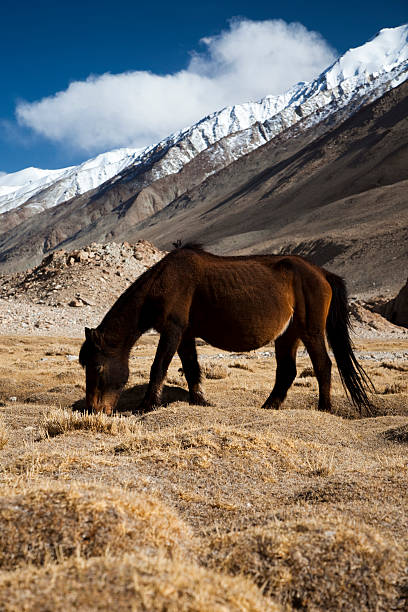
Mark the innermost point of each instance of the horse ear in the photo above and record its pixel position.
(97, 339)
(94, 336)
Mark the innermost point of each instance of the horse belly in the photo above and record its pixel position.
(241, 325)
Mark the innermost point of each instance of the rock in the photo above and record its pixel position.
(396, 310)
(67, 280)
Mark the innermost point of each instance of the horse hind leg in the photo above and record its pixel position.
(316, 347)
(285, 352)
(188, 354)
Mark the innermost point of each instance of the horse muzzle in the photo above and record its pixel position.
(105, 404)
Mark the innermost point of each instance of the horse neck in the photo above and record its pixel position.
(121, 325)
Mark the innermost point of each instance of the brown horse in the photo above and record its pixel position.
(235, 304)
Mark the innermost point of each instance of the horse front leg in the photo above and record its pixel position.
(188, 354)
(168, 345)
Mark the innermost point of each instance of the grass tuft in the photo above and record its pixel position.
(240, 365)
(4, 435)
(60, 421)
(306, 372)
(54, 523)
(397, 434)
(214, 371)
(393, 389)
(314, 565)
(133, 582)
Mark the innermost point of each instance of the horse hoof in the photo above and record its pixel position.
(273, 405)
(325, 408)
(199, 400)
(202, 403)
(144, 407)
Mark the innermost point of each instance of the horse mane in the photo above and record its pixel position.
(191, 246)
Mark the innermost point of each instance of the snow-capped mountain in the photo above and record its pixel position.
(41, 189)
(358, 77)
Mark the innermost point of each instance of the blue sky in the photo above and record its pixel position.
(165, 77)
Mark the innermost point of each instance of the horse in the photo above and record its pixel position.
(234, 303)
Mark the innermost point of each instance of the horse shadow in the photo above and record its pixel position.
(131, 399)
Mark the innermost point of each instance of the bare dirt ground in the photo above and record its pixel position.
(185, 508)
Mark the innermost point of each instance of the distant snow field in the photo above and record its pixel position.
(20, 187)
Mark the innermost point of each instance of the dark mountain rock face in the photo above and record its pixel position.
(396, 310)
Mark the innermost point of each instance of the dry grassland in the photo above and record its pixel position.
(202, 509)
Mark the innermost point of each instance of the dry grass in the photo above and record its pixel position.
(214, 371)
(59, 421)
(4, 436)
(314, 564)
(134, 582)
(220, 508)
(52, 523)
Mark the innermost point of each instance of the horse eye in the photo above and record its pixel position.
(99, 369)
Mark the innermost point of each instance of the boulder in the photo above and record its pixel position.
(396, 310)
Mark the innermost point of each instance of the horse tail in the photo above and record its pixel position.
(355, 380)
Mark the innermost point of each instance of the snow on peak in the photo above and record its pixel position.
(47, 188)
(385, 51)
(359, 76)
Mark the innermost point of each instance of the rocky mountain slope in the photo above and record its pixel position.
(197, 156)
(69, 290)
(93, 276)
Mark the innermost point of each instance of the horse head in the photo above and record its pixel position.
(106, 372)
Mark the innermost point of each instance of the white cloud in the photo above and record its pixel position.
(246, 62)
